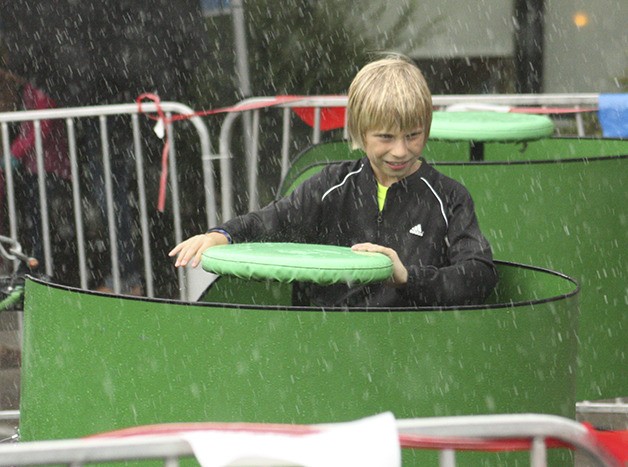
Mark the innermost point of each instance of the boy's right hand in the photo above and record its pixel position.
(193, 248)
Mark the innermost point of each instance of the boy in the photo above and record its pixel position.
(390, 201)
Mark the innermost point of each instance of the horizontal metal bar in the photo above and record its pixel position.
(602, 407)
(9, 415)
(94, 111)
(566, 100)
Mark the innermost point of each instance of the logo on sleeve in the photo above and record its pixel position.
(417, 230)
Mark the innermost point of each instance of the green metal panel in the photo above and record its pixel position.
(569, 216)
(230, 289)
(95, 362)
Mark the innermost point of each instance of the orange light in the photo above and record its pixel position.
(580, 19)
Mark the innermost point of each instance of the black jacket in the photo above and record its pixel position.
(428, 219)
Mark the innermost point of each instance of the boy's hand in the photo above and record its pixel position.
(400, 273)
(193, 248)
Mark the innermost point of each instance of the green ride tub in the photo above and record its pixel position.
(95, 362)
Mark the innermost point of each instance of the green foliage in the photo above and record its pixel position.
(305, 46)
(316, 47)
(301, 47)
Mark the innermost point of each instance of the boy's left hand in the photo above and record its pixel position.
(400, 273)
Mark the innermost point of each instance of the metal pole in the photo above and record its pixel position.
(244, 80)
(529, 18)
(76, 200)
(110, 208)
(242, 54)
(43, 198)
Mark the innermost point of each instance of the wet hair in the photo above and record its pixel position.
(389, 94)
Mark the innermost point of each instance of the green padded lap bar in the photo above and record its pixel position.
(287, 262)
(490, 126)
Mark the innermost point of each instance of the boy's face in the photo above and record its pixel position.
(394, 154)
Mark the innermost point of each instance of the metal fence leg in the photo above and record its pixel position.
(538, 453)
(447, 458)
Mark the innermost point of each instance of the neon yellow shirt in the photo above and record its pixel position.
(381, 195)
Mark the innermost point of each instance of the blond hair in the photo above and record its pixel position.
(389, 94)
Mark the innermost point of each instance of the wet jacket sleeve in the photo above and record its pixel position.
(470, 276)
(289, 219)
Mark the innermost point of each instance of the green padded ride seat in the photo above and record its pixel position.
(288, 262)
(490, 126)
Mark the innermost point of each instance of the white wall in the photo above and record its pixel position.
(590, 58)
(456, 28)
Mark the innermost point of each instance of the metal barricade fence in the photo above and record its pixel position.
(252, 131)
(71, 116)
(534, 433)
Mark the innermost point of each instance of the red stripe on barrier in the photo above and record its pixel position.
(473, 444)
(178, 428)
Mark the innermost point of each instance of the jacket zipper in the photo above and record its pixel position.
(380, 219)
